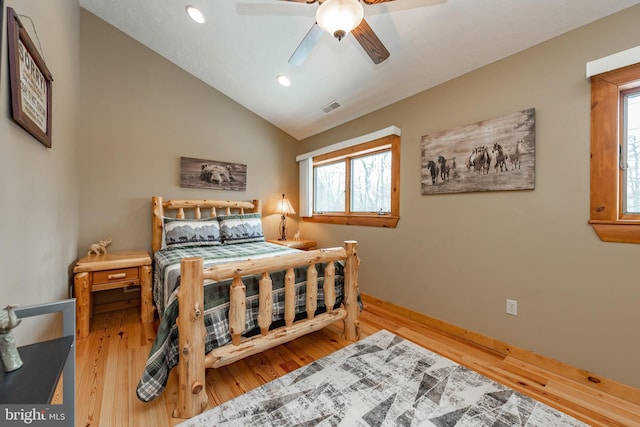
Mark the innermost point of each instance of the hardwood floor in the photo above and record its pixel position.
(110, 361)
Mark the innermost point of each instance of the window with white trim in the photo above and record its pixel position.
(353, 183)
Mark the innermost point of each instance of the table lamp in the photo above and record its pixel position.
(284, 208)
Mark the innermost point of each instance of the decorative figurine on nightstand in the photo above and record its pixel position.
(8, 350)
(100, 247)
(296, 236)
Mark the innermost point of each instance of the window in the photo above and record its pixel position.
(630, 159)
(615, 154)
(355, 184)
(329, 187)
(371, 183)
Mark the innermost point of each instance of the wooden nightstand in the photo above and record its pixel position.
(104, 272)
(305, 245)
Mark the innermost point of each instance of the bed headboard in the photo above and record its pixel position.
(198, 209)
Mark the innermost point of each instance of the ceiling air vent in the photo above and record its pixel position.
(331, 106)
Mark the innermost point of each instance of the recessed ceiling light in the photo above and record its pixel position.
(284, 80)
(195, 14)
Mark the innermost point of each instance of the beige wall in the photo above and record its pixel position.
(458, 257)
(140, 114)
(38, 186)
(453, 257)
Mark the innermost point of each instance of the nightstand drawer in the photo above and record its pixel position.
(115, 285)
(120, 275)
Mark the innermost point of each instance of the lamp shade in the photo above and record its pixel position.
(284, 207)
(339, 17)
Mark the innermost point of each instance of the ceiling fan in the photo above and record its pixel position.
(339, 18)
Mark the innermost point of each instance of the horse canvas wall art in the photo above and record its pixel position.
(490, 155)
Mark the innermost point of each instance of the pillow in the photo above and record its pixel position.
(241, 228)
(183, 233)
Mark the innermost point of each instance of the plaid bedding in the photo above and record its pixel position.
(164, 353)
(166, 272)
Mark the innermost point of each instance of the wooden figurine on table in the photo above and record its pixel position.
(8, 350)
(100, 247)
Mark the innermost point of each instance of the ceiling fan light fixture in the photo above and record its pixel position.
(339, 17)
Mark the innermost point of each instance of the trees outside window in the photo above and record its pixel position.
(630, 143)
(358, 185)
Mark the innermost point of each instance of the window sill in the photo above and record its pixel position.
(616, 231)
(386, 221)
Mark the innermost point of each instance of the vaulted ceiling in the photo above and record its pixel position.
(245, 44)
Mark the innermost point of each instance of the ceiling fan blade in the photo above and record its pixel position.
(279, 8)
(306, 45)
(370, 42)
(385, 6)
(424, 2)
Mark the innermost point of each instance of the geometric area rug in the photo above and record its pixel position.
(383, 380)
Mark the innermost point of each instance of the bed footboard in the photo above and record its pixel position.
(192, 397)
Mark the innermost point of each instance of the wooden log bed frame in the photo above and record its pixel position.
(192, 397)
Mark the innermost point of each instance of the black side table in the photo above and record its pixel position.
(26, 393)
(36, 380)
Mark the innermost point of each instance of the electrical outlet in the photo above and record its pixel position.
(512, 307)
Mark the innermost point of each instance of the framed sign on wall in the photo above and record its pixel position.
(1, 21)
(1, 32)
(30, 82)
